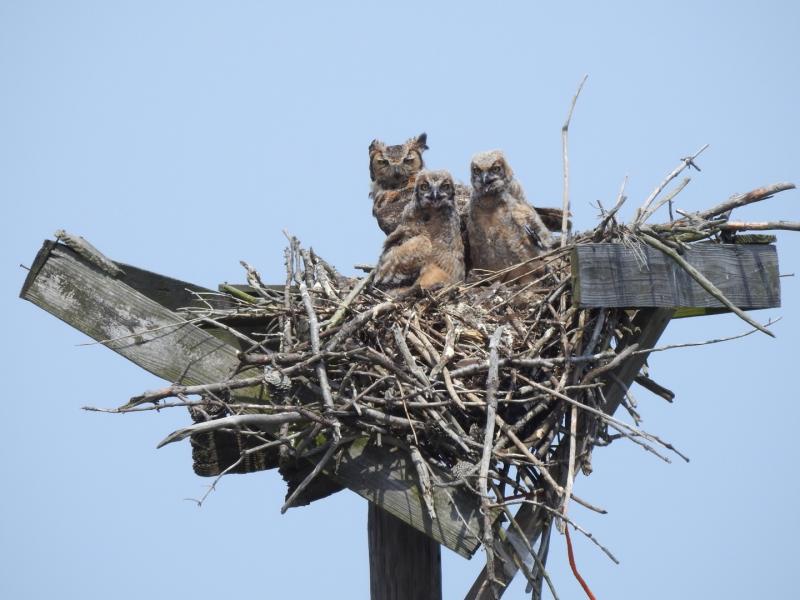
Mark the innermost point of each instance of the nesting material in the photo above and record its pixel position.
(499, 386)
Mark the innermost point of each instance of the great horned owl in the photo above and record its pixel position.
(393, 170)
(425, 250)
(503, 229)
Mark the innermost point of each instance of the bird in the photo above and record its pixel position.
(425, 251)
(393, 171)
(502, 228)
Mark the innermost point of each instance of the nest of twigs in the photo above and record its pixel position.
(495, 387)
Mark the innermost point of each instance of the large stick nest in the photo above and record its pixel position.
(499, 388)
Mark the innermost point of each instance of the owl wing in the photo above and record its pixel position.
(402, 259)
(529, 221)
(551, 217)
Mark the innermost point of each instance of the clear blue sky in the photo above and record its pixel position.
(184, 136)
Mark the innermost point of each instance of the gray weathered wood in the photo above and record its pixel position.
(166, 291)
(613, 275)
(404, 564)
(129, 323)
(160, 341)
(648, 325)
(386, 476)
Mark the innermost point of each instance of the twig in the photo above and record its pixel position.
(565, 222)
(425, 487)
(685, 163)
(760, 225)
(755, 195)
(191, 390)
(621, 197)
(492, 381)
(265, 422)
(348, 300)
(332, 448)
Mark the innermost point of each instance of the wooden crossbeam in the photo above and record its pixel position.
(615, 275)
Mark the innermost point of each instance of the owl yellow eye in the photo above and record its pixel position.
(446, 187)
(408, 159)
(382, 162)
(425, 186)
(475, 169)
(497, 169)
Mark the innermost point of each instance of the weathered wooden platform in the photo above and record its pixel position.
(613, 275)
(134, 314)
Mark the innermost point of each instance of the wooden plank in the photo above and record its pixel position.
(648, 325)
(129, 323)
(404, 564)
(158, 340)
(166, 291)
(613, 275)
(386, 476)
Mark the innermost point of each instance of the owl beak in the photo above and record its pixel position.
(484, 177)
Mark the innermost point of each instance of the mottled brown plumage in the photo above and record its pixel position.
(502, 228)
(425, 250)
(393, 171)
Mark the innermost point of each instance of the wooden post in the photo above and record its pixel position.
(404, 564)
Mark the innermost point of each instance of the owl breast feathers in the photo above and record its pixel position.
(425, 250)
(393, 171)
(502, 228)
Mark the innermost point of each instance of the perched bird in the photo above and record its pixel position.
(502, 228)
(425, 250)
(393, 171)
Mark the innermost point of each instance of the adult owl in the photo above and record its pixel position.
(393, 171)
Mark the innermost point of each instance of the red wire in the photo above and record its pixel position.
(574, 568)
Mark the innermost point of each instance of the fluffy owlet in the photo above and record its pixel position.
(425, 250)
(502, 228)
(393, 170)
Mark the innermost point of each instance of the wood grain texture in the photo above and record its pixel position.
(129, 323)
(613, 275)
(386, 476)
(404, 564)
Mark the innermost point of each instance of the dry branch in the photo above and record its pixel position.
(496, 389)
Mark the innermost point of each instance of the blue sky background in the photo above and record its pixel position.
(184, 136)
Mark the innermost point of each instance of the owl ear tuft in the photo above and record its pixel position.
(375, 146)
(421, 142)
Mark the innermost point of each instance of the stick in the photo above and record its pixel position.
(760, 226)
(425, 487)
(191, 390)
(334, 445)
(621, 197)
(565, 222)
(357, 289)
(687, 161)
(265, 422)
(668, 198)
(492, 382)
(755, 195)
